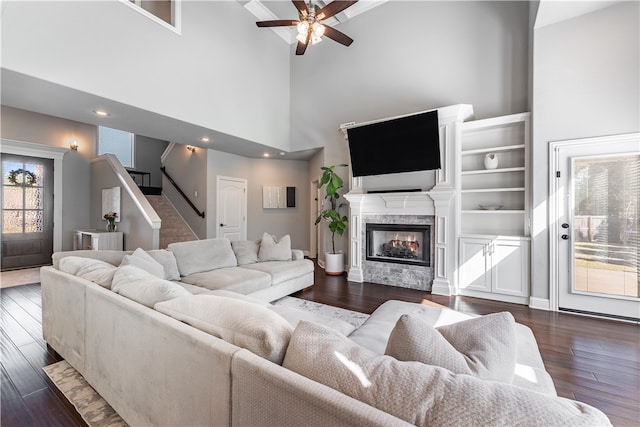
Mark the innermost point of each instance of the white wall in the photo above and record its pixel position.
(221, 73)
(586, 83)
(260, 172)
(26, 126)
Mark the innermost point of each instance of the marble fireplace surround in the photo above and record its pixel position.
(436, 203)
(413, 276)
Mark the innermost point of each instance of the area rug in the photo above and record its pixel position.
(95, 411)
(352, 317)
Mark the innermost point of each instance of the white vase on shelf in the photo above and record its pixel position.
(491, 161)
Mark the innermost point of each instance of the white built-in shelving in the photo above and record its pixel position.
(493, 208)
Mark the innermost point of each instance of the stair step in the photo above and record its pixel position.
(173, 228)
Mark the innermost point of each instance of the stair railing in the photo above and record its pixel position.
(164, 171)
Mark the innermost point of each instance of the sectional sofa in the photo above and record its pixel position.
(165, 352)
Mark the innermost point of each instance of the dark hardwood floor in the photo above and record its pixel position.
(592, 360)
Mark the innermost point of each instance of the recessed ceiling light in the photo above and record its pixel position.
(282, 153)
(265, 155)
(101, 113)
(204, 139)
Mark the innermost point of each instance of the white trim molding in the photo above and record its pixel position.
(539, 303)
(42, 151)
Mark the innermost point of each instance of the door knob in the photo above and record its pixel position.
(564, 237)
(565, 225)
(221, 225)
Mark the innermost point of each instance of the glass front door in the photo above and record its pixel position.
(599, 246)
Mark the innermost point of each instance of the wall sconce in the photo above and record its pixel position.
(191, 148)
(74, 145)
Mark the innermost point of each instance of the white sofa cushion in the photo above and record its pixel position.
(236, 279)
(275, 250)
(94, 270)
(424, 395)
(140, 286)
(281, 271)
(484, 347)
(143, 260)
(197, 256)
(168, 261)
(242, 323)
(246, 251)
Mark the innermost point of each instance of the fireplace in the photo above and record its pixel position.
(398, 243)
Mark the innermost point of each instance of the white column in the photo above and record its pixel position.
(445, 237)
(354, 273)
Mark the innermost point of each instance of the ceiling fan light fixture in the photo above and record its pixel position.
(302, 38)
(318, 29)
(302, 27)
(315, 39)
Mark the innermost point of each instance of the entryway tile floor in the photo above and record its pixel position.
(19, 277)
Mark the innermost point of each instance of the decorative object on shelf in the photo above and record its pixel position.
(491, 207)
(111, 221)
(491, 161)
(334, 261)
(74, 144)
(28, 177)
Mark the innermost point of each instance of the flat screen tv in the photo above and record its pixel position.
(406, 144)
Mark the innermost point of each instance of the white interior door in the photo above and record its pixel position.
(232, 208)
(596, 226)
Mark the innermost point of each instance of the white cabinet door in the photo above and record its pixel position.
(497, 266)
(510, 267)
(475, 267)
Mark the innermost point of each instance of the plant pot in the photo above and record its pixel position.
(334, 264)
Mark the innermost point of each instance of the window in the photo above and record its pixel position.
(165, 12)
(117, 142)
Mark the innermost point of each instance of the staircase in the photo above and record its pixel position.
(173, 229)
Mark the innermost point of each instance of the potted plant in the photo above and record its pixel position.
(334, 261)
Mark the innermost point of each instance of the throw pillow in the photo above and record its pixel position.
(424, 395)
(197, 256)
(140, 286)
(246, 251)
(143, 260)
(272, 250)
(484, 346)
(168, 261)
(94, 270)
(241, 323)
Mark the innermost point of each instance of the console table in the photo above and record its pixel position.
(97, 240)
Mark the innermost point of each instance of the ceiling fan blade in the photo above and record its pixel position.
(333, 8)
(303, 10)
(338, 36)
(277, 23)
(302, 47)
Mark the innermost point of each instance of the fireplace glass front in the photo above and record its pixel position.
(399, 243)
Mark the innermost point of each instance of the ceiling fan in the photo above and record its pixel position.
(309, 23)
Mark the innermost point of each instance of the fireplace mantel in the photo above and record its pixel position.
(398, 203)
(433, 203)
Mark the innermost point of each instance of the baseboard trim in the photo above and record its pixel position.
(540, 303)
